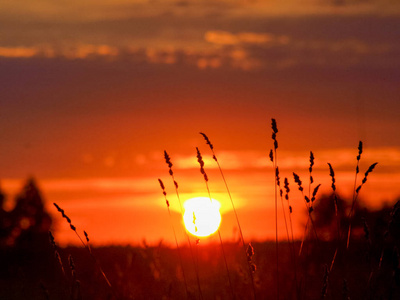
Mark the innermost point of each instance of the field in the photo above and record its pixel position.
(327, 263)
(369, 269)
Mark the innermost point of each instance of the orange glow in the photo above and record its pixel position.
(91, 102)
(202, 217)
(17, 52)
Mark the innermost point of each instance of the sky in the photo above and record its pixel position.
(93, 92)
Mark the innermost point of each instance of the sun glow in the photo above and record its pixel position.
(202, 217)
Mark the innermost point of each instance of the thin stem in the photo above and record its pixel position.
(86, 246)
(168, 161)
(370, 169)
(176, 239)
(234, 210)
(201, 162)
(276, 228)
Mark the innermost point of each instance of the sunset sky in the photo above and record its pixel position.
(93, 92)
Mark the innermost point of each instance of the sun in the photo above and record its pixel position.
(202, 217)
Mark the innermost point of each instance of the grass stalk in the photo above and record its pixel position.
(360, 150)
(335, 200)
(287, 190)
(250, 267)
(357, 190)
(56, 253)
(202, 171)
(176, 239)
(195, 264)
(290, 241)
(350, 216)
(86, 246)
(275, 159)
(308, 203)
(294, 259)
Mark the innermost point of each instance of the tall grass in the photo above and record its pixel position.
(273, 156)
(203, 172)
(248, 251)
(175, 237)
(277, 273)
(350, 215)
(171, 173)
(86, 245)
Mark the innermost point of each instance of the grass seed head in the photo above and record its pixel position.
(161, 184)
(207, 140)
(286, 186)
(86, 236)
(332, 174)
(370, 169)
(199, 158)
(162, 187)
(65, 216)
(315, 192)
(275, 131)
(201, 162)
(360, 149)
(298, 181)
(311, 161)
(167, 159)
(58, 208)
(278, 179)
(273, 125)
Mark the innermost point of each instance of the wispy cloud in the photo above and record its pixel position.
(244, 51)
(221, 37)
(174, 32)
(341, 158)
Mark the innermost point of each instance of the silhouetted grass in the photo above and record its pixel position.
(248, 251)
(176, 239)
(330, 269)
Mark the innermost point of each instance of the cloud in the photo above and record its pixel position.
(70, 52)
(221, 37)
(245, 51)
(290, 160)
(20, 52)
(193, 33)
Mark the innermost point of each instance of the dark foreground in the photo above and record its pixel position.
(366, 271)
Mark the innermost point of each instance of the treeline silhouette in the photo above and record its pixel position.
(369, 269)
(27, 225)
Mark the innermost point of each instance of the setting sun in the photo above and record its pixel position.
(202, 217)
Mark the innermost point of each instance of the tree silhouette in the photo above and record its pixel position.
(27, 225)
(364, 221)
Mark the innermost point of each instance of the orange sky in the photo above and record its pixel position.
(93, 92)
